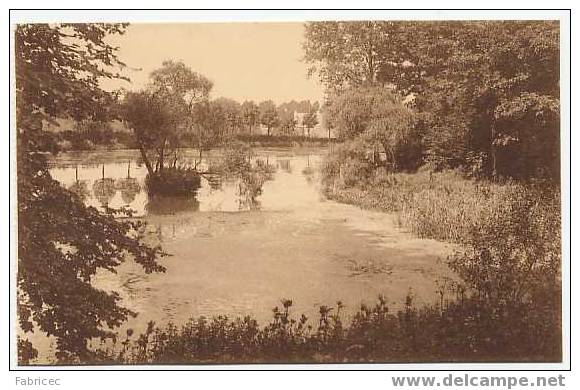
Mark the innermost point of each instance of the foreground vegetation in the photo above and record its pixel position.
(457, 330)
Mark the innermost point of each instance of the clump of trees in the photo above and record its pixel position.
(486, 94)
(377, 120)
(174, 105)
(175, 111)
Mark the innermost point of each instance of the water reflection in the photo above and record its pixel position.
(285, 165)
(116, 179)
(162, 205)
(104, 190)
(308, 173)
(129, 188)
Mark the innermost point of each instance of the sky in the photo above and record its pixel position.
(245, 61)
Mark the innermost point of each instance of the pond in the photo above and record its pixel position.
(234, 258)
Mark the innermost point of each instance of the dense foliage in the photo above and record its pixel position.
(62, 243)
(486, 93)
(375, 120)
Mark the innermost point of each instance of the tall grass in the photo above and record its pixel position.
(441, 205)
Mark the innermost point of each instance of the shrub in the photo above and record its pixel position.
(463, 330)
(508, 258)
(173, 182)
(349, 165)
(513, 255)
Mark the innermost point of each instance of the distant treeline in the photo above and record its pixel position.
(263, 124)
(103, 136)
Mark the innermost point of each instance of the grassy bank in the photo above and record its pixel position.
(447, 206)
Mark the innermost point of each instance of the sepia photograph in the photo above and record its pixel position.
(316, 191)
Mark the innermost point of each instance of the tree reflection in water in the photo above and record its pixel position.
(214, 181)
(249, 188)
(308, 173)
(129, 188)
(104, 190)
(162, 205)
(236, 165)
(285, 165)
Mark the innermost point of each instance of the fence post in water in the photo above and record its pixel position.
(129, 170)
(103, 171)
(77, 173)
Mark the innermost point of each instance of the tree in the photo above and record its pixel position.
(528, 136)
(210, 125)
(395, 131)
(268, 115)
(288, 125)
(96, 132)
(310, 120)
(61, 242)
(232, 112)
(376, 117)
(352, 53)
(150, 121)
(250, 114)
(350, 112)
(179, 89)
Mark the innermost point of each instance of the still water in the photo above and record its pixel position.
(235, 258)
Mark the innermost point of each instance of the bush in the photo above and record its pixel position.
(348, 165)
(173, 182)
(463, 330)
(513, 254)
